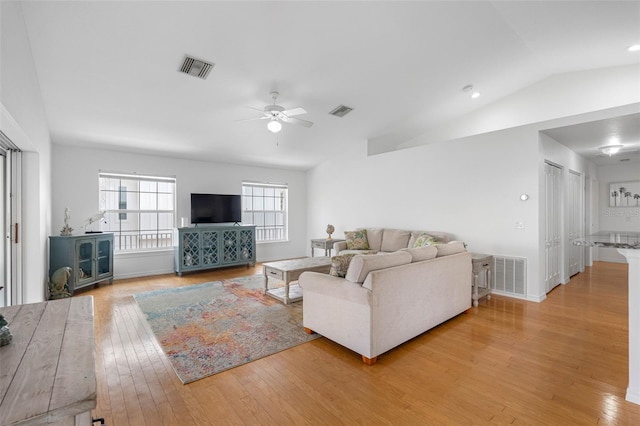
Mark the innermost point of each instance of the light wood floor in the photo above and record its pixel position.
(559, 362)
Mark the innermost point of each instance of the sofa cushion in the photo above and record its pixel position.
(340, 265)
(395, 239)
(422, 253)
(361, 265)
(374, 236)
(425, 240)
(358, 251)
(357, 240)
(451, 247)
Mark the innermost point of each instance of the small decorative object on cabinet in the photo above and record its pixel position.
(216, 246)
(482, 265)
(89, 256)
(66, 230)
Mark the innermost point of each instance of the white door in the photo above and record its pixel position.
(10, 213)
(574, 223)
(5, 272)
(553, 238)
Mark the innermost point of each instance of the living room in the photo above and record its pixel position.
(462, 175)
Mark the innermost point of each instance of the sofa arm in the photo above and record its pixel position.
(338, 246)
(335, 287)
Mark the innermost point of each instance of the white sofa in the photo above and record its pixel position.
(388, 240)
(385, 300)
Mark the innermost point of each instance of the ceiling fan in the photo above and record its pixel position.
(277, 115)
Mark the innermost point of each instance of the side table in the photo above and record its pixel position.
(482, 264)
(323, 243)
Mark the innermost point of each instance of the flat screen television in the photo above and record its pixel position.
(215, 208)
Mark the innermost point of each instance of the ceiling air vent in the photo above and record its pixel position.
(196, 67)
(341, 111)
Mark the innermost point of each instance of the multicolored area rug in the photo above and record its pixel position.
(208, 328)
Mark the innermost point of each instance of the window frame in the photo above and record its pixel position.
(128, 240)
(272, 227)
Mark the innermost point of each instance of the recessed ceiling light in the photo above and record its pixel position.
(475, 95)
(634, 48)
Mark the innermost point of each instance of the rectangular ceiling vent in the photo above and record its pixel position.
(196, 67)
(341, 110)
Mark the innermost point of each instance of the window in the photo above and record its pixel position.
(265, 206)
(139, 210)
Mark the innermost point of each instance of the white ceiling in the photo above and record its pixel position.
(109, 70)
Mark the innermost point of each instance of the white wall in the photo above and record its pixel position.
(23, 120)
(469, 187)
(75, 185)
(623, 219)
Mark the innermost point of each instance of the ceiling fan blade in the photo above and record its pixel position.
(294, 111)
(254, 118)
(256, 109)
(299, 121)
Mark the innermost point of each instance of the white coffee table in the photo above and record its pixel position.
(290, 270)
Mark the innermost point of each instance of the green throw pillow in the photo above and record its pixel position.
(425, 240)
(357, 240)
(340, 264)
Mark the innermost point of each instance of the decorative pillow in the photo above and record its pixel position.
(451, 247)
(340, 265)
(357, 240)
(425, 240)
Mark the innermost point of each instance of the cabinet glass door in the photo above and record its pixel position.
(105, 262)
(230, 246)
(84, 270)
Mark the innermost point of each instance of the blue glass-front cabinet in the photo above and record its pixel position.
(90, 257)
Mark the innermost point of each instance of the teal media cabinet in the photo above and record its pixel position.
(90, 257)
(215, 246)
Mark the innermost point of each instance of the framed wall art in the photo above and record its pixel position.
(624, 194)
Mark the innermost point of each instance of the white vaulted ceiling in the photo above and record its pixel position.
(108, 70)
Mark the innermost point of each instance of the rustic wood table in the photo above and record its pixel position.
(47, 373)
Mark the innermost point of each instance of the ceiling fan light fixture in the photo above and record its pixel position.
(274, 126)
(610, 149)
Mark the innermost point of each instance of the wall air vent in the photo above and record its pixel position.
(341, 111)
(196, 67)
(510, 275)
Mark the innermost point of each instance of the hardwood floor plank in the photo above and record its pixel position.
(508, 361)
